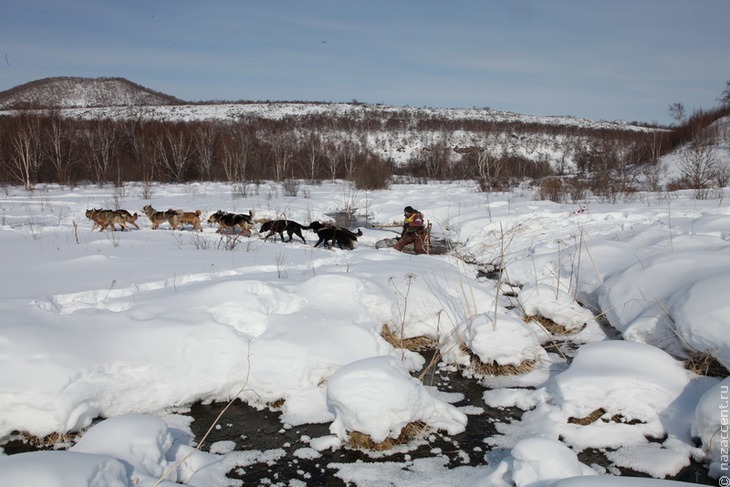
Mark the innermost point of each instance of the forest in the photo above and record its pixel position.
(46, 146)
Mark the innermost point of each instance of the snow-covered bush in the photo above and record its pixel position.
(489, 345)
(556, 305)
(379, 398)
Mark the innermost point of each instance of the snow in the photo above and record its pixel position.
(712, 432)
(280, 110)
(503, 339)
(133, 327)
(537, 462)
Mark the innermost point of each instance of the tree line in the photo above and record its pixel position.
(39, 146)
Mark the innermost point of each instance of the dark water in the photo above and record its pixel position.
(253, 429)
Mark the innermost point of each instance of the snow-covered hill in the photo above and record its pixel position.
(67, 92)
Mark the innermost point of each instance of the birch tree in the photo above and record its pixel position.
(25, 156)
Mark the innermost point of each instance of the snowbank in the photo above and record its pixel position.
(378, 397)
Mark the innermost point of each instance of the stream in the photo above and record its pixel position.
(253, 429)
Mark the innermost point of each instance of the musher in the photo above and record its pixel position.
(414, 231)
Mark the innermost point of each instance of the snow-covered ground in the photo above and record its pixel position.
(135, 326)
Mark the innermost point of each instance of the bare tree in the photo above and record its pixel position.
(205, 140)
(25, 155)
(58, 148)
(653, 169)
(699, 161)
(629, 153)
(479, 156)
(333, 160)
(722, 174)
(567, 148)
(281, 148)
(101, 143)
(725, 96)
(313, 144)
(235, 155)
(349, 151)
(436, 159)
(173, 150)
(676, 111)
(137, 135)
(487, 166)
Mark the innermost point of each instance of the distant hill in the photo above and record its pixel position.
(77, 92)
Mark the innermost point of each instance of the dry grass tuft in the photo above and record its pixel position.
(276, 405)
(48, 441)
(590, 419)
(599, 414)
(494, 369)
(552, 327)
(414, 344)
(365, 442)
(704, 363)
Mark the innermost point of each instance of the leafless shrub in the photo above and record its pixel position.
(699, 161)
(552, 189)
(371, 174)
(290, 187)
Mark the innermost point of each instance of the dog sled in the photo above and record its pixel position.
(387, 243)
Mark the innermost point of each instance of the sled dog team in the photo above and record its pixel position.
(228, 223)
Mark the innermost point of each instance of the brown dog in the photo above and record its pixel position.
(128, 217)
(158, 217)
(110, 218)
(192, 218)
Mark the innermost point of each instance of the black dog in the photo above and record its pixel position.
(229, 221)
(280, 226)
(329, 235)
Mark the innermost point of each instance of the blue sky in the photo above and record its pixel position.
(600, 59)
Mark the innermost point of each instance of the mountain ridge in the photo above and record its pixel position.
(116, 97)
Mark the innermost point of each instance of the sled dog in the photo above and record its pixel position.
(110, 218)
(192, 218)
(233, 222)
(329, 235)
(280, 226)
(158, 217)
